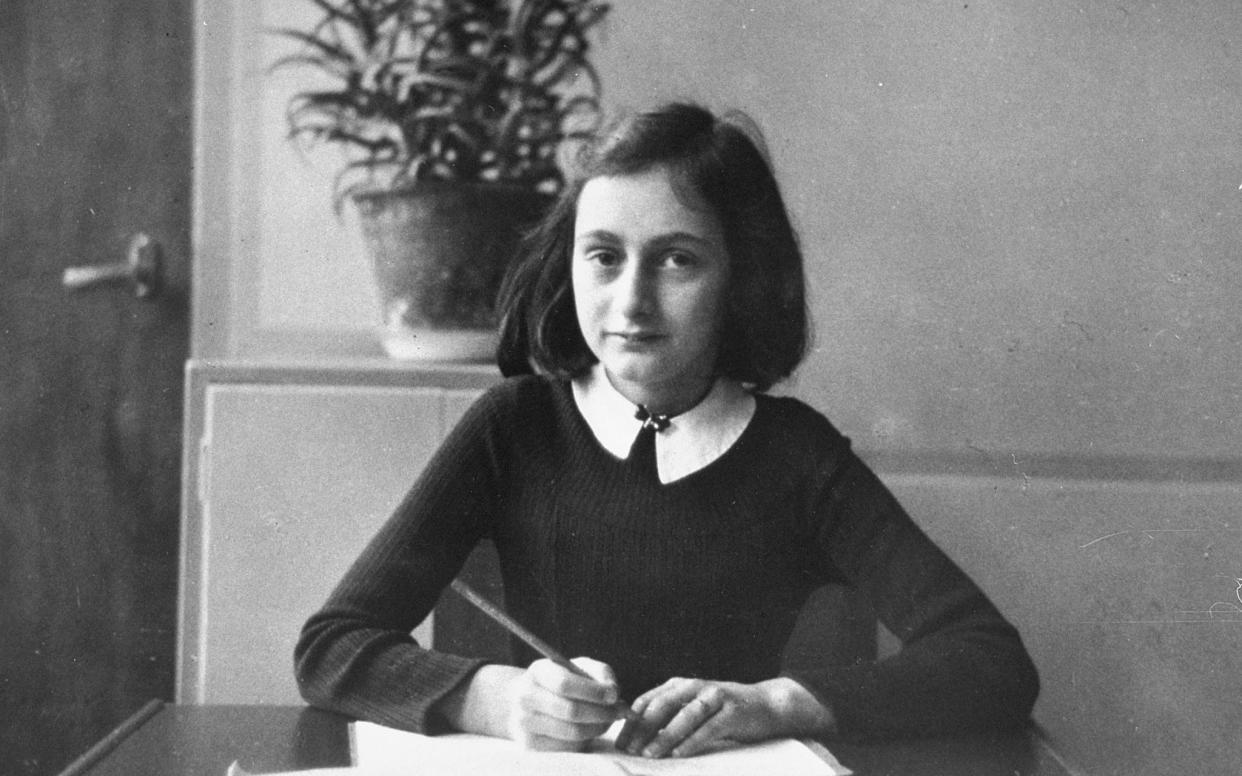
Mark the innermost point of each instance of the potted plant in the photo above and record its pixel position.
(452, 114)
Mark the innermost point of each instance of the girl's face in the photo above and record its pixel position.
(650, 272)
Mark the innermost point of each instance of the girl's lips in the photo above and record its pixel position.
(635, 341)
(635, 336)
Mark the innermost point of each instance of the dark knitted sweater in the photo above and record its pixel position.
(703, 576)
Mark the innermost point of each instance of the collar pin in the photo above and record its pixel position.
(651, 420)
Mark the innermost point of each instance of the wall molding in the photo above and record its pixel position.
(1052, 466)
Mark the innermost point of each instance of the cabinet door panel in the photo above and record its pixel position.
(294, 480)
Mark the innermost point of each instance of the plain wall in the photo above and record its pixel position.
(1021, 223)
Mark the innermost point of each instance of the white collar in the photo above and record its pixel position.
(692, 440)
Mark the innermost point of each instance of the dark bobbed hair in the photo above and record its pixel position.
(765, 330)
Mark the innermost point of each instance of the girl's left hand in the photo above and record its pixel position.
(684, 717)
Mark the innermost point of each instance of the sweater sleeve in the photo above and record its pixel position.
(962, 667)
(356, 655)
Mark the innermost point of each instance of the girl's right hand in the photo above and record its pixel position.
(553, 709)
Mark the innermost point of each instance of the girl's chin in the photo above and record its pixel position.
(631, 370)
(643, 375)
(638, 370)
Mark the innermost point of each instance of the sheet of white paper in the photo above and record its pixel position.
(236, 770)
(379, 749)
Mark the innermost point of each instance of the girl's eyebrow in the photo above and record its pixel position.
(673, 237)
(597, 234)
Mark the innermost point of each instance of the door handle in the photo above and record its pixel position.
(142, 269)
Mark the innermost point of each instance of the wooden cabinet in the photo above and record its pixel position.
(290, 470)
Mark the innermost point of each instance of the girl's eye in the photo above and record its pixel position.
(603, 257)
(680, 260)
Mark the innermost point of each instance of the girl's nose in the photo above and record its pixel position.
(635, 291)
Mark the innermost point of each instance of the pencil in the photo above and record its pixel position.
(536, 643)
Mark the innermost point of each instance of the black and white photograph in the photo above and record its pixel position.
(445, 387)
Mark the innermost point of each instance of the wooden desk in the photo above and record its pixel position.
(204, 740)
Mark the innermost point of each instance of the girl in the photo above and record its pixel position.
(653, 509)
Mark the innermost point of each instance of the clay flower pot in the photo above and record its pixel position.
(440, 250)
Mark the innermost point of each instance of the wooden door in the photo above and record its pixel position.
(95, 109)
